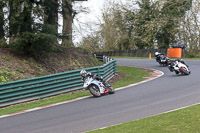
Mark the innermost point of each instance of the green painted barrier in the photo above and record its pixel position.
(41, 87)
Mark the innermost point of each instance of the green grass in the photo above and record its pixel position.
(191, 58)
(132, 75)
(152, 57)
(181, 121)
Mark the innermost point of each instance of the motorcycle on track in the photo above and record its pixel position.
(97, 88)
(178, 67)
(161, 59)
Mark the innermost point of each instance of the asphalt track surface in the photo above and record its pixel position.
(163, 94)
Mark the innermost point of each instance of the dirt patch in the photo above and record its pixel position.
(116, 78)
(69, 59)
(147, 70)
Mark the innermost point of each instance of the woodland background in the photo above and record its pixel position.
(154, 24)
(30, 27)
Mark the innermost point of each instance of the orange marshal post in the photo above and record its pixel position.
(174, 53)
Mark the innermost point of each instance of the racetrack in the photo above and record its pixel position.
(166, 93)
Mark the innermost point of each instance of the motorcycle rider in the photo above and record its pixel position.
(181, 61)
(157, 56)
(174, 65)
(85, 74)
(157, 53)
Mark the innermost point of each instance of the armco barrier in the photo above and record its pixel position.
(102, 58)
(40, 87)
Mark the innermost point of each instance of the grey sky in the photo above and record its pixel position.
(84, 23)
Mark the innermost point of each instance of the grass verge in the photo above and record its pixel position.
(131, 75)
(181, 121)
(126, 57)
(191, 58)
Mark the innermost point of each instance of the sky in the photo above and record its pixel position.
(84, 23)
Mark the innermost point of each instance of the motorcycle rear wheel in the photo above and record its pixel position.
(94, 90)
(171, 69)
(176, 72)
(111, 90)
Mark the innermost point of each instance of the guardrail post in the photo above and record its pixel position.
(104, 59)
(115, 67)
(108, 59)
(99, 71)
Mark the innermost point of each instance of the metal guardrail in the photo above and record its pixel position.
(41, 87)
(103, 58)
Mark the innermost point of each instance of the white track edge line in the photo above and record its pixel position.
(148, 116)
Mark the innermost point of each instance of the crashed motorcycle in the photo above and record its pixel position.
(178, 67)
(97, 88)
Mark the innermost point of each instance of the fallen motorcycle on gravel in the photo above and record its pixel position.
(96, 87)
(178, 66)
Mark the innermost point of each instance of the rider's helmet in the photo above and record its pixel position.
(157, 53)
(83, 73)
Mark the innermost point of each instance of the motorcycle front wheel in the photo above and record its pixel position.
(185, 71)
(94, 90)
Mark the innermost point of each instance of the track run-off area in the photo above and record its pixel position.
(166, 93)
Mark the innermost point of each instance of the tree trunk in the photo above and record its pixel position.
(26, 25)
(2, 39)
(67, 23)
(52, 13)
(14, 19)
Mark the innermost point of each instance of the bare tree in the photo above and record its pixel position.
(2, 34)
(190, 30)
